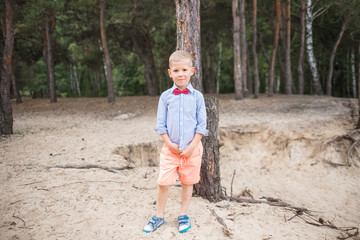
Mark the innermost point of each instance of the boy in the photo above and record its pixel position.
(181, 122)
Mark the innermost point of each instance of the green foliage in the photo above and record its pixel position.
(138, 29)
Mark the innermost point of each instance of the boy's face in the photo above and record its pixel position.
(181, 72)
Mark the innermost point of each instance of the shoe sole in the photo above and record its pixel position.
(184, 230)
(154, 229)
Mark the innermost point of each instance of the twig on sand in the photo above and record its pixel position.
(89, 166)
(19, 219)
(221, 221)
(232, 181)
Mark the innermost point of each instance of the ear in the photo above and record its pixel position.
(192, 71)
(169, 71)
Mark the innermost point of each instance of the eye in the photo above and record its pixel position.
(176, 70)
(184, 69)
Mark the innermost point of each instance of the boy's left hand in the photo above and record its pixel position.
(187, 151)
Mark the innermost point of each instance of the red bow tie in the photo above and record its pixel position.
(178, 91)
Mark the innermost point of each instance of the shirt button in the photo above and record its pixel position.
(180, 109)
(181, 123)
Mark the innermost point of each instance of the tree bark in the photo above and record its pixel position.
(332, 57)
(108, 68)
(219, 69)
(188, 35)
(288, 74)
(273, 56)
(353, 73)
(209, 186)
(6, 117)
(237, 53)
(300, 68)
(49, 29)
(316, 85)
(243, 46)
(256, 68)
(358, 123)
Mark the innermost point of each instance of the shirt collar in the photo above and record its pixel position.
(190, 87)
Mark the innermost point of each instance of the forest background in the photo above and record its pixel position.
(68, 49)
(142, 34)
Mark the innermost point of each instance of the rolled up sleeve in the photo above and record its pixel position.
(161, 126)
(201, 117)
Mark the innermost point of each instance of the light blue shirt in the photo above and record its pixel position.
(181, 116)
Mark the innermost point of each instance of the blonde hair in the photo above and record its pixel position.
(180, 55)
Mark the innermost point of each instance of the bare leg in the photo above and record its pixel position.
(186, 195)
(161, 201)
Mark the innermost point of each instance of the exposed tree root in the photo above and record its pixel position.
(352, 152)
(89, 166)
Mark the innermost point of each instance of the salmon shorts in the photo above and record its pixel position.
(188, 168)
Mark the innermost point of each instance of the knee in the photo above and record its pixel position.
(164, 188)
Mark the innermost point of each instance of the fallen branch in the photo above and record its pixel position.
(89, 166)
(221, 221)
(303, 213)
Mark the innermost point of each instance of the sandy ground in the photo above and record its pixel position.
(271, 144)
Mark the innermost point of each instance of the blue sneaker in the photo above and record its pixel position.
(153, 224)
(184, 223)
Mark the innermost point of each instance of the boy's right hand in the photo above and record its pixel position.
(175, 148)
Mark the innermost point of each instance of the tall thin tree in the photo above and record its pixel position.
(6, 117)
(332, 57)
(274, 51)
(243, 46)
(107, 65)
(358, 123)
(237, 51)
(49, 27)
(254, 51)
(310, 17)
(288, 74)
(300, 67)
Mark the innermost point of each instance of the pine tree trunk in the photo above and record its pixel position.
(219, 69)
(300, 68)
(6, 117)
(273, 56)
(243, 45)
(209, 186)
(256, 68)
(188, 35)
(237, 53)
(108, 68)
(288, 74)
(310, 50)
(49, 28)
(358, 123)
(332, 58)
(353, 73)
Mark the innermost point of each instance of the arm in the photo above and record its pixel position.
(189, 149)
(173, 147)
